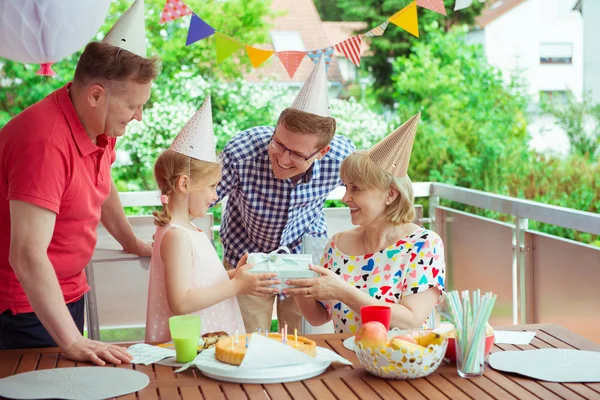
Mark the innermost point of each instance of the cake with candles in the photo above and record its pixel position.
(232, 350)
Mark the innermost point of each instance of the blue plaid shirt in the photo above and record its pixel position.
(264, 212)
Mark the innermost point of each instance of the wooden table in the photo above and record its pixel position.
(343, 382)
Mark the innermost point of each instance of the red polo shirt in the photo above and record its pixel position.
(47, 159)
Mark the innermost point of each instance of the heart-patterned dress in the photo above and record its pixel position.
(409, 266)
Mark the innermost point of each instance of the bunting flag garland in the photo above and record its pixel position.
(291, 60)
(173, 10)
(407, 19)
(351, 49)
(462, 4)
(433, 5)
(378, 30)
(198, 30)
(226, 46)
(258, 56)
(326, 52)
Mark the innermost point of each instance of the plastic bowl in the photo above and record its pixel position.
(386, 362)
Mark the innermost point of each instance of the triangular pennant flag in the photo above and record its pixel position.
(197, 138)
(351, 49)
(291, 60)
(378, 30)
(226, 46)
(314, 96)
(258, 56)
(129, 32)
(173, 10)
(462, 4)
(392, 153)
(198, 30)
(433, 5)
(407, 19)
(327, 53)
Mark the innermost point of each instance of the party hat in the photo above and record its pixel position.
(392, 153)
(314, 95)
(129, 32)
(197, 138)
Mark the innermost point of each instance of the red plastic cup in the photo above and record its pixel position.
(381, 314)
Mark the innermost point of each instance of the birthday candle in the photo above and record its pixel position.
(232, 348)
(296, 336)
(259, 331)
(285, 327)
(236, 336)
(246, 341)
(282, 336)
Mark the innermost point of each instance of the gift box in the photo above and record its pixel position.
(285, 265)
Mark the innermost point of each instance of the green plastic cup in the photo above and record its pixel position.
(185, 331)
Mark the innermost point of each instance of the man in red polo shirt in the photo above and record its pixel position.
(55, 186)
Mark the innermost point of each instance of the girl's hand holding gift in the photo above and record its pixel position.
(328, 286)
(248, 283)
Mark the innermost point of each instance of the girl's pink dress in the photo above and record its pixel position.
(208, 271)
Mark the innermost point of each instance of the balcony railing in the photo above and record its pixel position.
(538, 277)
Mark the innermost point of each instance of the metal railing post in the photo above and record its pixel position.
(434, 202)
(521, 226)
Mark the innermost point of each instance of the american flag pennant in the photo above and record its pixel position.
(173, 10)
(379, 30)
(351, 49)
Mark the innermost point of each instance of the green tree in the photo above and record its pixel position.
(473, 131)
(580, 120)
(396, 42)
(241, 19)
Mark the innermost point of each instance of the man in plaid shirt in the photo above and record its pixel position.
(277, 180)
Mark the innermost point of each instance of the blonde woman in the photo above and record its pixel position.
(386, 259)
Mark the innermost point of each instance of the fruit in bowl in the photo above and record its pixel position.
(405, 356)
(372, 335)
(489, 343)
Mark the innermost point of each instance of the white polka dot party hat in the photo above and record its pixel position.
(392, 153)
(314, 95)
(197, 138)
(129, 32)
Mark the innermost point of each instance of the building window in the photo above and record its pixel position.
(555, 97)
(287, 41)
(556, 53)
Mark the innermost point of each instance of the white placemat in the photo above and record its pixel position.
(554, 365)
(81, 383)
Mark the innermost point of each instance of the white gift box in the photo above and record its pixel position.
(286, 266)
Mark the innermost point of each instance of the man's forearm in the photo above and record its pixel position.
(38, 279)
(114, 220)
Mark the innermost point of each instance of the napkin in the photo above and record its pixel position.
(513, 337)
(261, 354)
(146, 354)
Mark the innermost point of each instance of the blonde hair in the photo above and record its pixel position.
(311, 124)
(359, 169)
(169, 167)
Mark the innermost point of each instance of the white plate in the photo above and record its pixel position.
(215, 369)
(349, 343)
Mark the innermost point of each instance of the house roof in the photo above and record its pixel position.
(494, 10)
(301, 16)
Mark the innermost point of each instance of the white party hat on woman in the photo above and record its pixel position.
(129, 32)
(197, 138)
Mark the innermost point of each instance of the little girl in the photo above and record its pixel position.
(186, 274)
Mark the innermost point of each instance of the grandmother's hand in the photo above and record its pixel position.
(328, 286)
